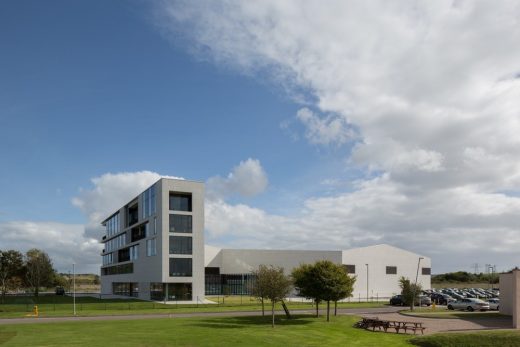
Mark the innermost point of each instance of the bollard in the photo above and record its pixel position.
(35, 310)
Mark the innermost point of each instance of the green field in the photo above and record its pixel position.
(231, 331)
(504, 338)
(52, 306)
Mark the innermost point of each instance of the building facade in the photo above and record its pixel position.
(154, 245)
(154, 250)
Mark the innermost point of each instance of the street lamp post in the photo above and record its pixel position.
(415, 286)
(367, 281)
(74, 287)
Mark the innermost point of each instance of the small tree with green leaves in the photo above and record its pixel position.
(11, 268)
(39, 270)
(275, 285)
(307, 284)
(410, 292)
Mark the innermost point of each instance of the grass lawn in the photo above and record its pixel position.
(504, 338)
(201, 331)
(53, 306)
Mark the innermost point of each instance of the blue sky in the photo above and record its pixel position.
(314, 127)
(89, 88)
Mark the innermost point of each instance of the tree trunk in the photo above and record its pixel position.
(317, 309)
(335, 308)
(272, 313)
(328, 310)
(263, 310)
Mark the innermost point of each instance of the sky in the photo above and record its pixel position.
(313, 126)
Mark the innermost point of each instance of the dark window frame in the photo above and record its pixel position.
(391, 270)
(426, 271)
(185, 206)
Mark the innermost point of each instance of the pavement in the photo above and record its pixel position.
(31, 320)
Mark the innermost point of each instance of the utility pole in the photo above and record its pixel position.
(367, 281)
(415, 286)
(74, 286)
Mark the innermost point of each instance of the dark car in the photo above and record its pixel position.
(396, 300)
(60, 291)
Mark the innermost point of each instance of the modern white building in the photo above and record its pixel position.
(154, 250)
(377, 268)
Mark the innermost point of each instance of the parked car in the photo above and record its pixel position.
(441, 299)
(469, 304)
(494, 304)
(396, 300)
(60, 291)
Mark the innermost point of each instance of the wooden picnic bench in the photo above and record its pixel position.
(374, 322)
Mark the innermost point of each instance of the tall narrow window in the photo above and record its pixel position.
(151, 247)
(180, 202)
(180, 223)
(149, 202)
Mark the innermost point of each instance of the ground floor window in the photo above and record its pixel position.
(229, 284)
(157, 291)
(179, 291)
(126, 289)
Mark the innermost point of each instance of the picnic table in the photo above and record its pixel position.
(374, 322)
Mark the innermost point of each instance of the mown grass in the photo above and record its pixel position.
(225, 331)
(57, 306)
(507, 338)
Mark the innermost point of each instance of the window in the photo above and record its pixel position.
(112, 225)
(426, 271)
(139, 232)
(179, 291)
(149, 202)
(134, 252)
(123, 255)
(181, 267)
(151, 247)
(157, 291)
(155, 226)
(350, 269)
(180, 223)
(180, 245)
(180, 202)
(118, 269)
(126, 289)
(132, 214)
(108, 259)
(391, 270)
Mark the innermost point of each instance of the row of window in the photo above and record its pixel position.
(126, 289)
(112, 225)
(149, 204)
(390, 270)
(115, 243)
(118, 269)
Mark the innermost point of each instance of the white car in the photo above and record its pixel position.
(494, 304)
(469, 304)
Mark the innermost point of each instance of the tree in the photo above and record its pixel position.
(39, 270)
(323, 281)
(11, 267)
(409, 291)
(259, 287)
(275, 285)
(334, 281)
(306, 283)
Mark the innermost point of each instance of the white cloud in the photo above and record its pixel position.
(247, 179)
(432, 92)
(65, 243)
(325, 130)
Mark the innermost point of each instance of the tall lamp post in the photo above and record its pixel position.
(74, 287)
(367, 281)
(415, 286)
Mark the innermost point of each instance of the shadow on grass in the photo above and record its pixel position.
(241, 322)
